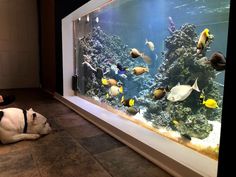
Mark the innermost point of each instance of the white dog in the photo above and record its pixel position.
(17, 124)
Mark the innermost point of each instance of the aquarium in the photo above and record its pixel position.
(157, 63)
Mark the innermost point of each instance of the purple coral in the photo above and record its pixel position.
(171, 27)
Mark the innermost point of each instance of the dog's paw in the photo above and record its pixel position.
(35, 136)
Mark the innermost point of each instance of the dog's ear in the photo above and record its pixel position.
(31, 109)
(34, 115)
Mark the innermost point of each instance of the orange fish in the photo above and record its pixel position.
(140, 70)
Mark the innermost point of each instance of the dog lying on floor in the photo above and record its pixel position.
(17, 124)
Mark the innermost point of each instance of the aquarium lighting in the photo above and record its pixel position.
(87, 19)
(79, 18)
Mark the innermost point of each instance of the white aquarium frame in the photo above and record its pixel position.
(175, 158)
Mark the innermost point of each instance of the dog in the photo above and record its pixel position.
(18, 124)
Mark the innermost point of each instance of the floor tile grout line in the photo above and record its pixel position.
(97, 160)
(93, 157)
(36, 163)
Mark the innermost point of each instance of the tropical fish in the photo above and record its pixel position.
(127, 102)
(175, 122)
(210, 103)
(134, 53)
(140, 70)
(147, 59)
(115, 90)
(181, 92)
(122, 70)
(109, 82)
(97, 19)
(186, 136)
(159, 93)
(119, 84)
(217, 61)
(133, 110)
(203, 39)
(150, 45)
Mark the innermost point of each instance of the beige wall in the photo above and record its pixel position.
(19, 55)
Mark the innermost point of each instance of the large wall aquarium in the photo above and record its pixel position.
(156, 64)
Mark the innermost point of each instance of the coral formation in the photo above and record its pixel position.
(106, 51)
(181, 63)
(171, 27)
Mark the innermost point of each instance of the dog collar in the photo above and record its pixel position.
(1, 115)
(25, 119)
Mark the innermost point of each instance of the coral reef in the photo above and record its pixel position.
(105, 51)
(181, 63)
(100, 51)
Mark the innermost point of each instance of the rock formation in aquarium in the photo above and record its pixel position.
(181, 64)
(99, 51)
(103, 51)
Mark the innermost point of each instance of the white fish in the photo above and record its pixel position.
(97, 19)
(150, 45)
(181, 92)
(114, 90)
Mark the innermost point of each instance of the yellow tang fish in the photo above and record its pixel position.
(210, 103)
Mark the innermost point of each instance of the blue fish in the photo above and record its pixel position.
(122, 70)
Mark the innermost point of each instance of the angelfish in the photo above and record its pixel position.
(181, 92)
(203, 40)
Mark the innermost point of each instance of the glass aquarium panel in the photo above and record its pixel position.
(160, 62)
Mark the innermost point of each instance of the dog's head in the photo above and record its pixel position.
(37, 123)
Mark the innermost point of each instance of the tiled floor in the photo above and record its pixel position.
(76, 148)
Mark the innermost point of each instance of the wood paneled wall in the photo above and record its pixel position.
(47, 45)
(19, 56)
